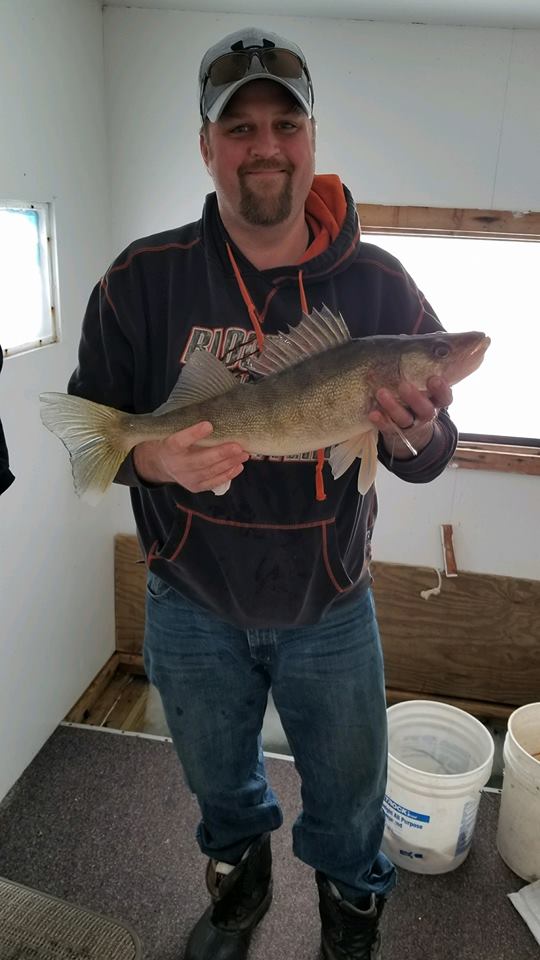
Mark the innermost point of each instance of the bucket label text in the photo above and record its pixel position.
(401, 817)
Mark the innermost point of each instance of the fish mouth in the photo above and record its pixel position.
(471, 358)
(481, 346)
(476, 353)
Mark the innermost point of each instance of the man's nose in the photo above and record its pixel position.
(265, 144)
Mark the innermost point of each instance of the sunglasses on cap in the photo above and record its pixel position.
(235, 66)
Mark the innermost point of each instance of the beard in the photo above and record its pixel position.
(265, 207)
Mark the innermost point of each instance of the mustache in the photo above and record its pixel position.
(265, 165)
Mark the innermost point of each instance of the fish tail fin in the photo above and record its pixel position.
(95, 437)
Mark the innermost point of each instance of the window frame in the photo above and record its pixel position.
(473, 452)
(48, 269)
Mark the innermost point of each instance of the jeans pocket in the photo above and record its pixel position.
(157, 588)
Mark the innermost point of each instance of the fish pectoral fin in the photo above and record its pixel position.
(316, 333)
(202, 377)
(223, 487)
(343, 454)
(369, 462)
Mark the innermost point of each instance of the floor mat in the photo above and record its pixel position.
(36, 926)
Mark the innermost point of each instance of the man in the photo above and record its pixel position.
(267, 584)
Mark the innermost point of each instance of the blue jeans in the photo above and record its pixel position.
(328, 687)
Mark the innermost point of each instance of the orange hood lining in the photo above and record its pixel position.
(326, 209)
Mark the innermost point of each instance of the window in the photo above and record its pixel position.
(28, 316)
(479, 271)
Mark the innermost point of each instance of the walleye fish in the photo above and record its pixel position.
(315, 389)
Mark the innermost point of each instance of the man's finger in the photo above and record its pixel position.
(395, 409)
(419, 403)
(215, 471)
(186, 438)
(210, 482)
(209, 458)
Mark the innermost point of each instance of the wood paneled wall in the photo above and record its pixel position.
(476, 644)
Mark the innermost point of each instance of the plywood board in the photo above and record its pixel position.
(129, 593)
(479, 639)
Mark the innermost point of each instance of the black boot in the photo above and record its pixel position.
(239, 900)
(348, 932)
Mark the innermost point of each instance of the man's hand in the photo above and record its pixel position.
(413, 412)
(178, 459)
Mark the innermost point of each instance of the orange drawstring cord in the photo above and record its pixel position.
(254, 317)
(303, 299)
(320, 492)
(251, 308)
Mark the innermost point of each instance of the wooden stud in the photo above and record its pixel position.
(450, 565)
(131, 662)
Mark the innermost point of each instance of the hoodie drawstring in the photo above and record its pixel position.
(320, 493)
(251, 308)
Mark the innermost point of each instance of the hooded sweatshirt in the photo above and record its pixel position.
(287, 542)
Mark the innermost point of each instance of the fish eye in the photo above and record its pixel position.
(441, 350)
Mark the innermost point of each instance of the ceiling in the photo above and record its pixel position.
(523, 14)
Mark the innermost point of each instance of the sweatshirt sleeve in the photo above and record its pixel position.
(406, 310)
(109, 354)
(6, 476)
(432, 460)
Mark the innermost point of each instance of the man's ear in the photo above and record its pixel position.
(205, 151)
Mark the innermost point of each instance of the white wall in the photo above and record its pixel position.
(56, 572)
(406, 115)
(441, 116)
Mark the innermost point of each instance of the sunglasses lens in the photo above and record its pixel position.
(228, 69)
(233, 66)
(282, 63)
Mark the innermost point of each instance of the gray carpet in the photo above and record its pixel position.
(105, 821)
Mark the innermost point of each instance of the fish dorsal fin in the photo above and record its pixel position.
(315, 333)
(202, 377)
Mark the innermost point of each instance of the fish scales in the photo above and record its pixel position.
(324, 399)
(317, 389)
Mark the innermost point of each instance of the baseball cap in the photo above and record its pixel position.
(251, 54)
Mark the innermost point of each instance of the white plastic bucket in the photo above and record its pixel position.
(439, 758)
(518, 831)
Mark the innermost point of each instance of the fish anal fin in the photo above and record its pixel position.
(317, 332)
(203, 376)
